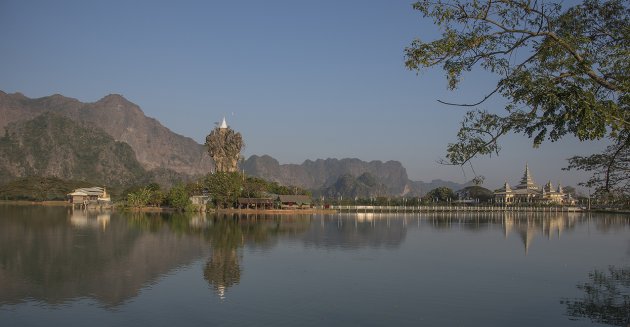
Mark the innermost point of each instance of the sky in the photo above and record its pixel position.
(299, 79)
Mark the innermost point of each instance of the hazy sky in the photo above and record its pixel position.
(299, 79)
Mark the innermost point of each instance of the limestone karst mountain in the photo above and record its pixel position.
(155, 146)
(52, 145)
(340, 176)
(165, 156)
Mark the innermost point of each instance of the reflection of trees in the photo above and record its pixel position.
(228, 234)
(606, 297)
(223, 268)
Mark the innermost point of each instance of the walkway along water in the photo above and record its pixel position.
(436, 208)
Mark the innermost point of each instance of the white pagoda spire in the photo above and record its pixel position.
(223, 123)
(527, 182)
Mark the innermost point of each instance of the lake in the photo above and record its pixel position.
(60, 267)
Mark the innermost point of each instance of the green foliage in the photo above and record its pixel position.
(224, 187)
(475, 192)
(179, 198)
(441, 194)
(254, 187)
(610, 169)
(139, 198)
(54, 145)
(40, 189)
(275, 188)
(150, 195)
(563, 72)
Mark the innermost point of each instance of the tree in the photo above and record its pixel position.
(139, 198)
(611, 170)
(179, 198)
(254, 187)
(441, 194)
(224, 187)
(563, 72)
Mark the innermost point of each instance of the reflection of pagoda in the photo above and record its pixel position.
(527, 236)
(223, 270)
(531, 226)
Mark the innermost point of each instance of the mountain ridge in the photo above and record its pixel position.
(172, 156)
(155, 145)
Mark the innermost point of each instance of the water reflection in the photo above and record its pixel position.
(606, 297)
(352, 231)
(56, 255)
(228, 234)
(527, 225)
(90, 219)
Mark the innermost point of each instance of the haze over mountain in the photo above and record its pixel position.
(334, 176)
(155, 146)
(46, 136)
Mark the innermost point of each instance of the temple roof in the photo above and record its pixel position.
(527, 181)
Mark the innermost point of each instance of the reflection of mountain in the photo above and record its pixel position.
(54, 255)
(356, 231)
(46, 255)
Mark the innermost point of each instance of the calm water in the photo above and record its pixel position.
(59, 268)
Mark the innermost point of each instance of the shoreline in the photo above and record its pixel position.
(57, 203)
(276, 211)
(60, 203)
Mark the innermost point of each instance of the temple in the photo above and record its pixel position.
(527, 191)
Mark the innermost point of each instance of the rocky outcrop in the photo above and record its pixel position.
(52, 145)
(155, 146)
(324, 173)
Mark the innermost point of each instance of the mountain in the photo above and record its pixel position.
(126, 138)
(52, 145)
(154, 146)
(324, 173)
(343, 176)
(365, 186)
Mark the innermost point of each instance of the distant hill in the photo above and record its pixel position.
(341, 176)
(131, 148)
(324, 173)
(52, 145)
(365, 186)
(154, 146)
